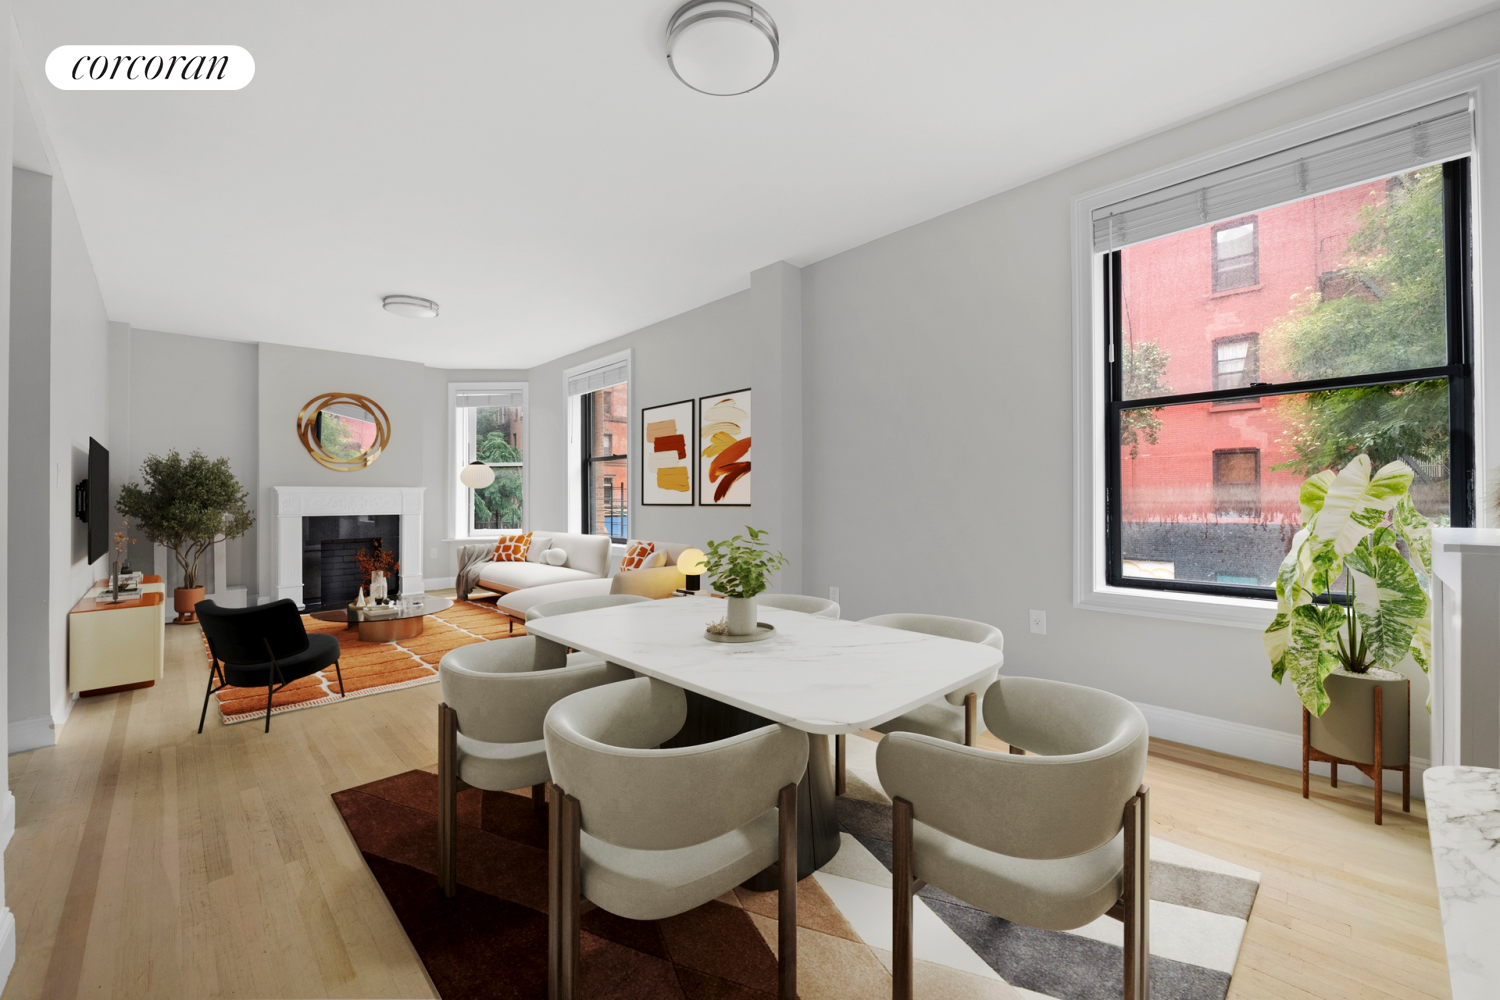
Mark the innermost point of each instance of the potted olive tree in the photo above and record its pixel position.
(1354, 525)
(739, 569)
(186, 504)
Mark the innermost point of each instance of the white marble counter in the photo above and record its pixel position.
(816, 674)
(1463, 820)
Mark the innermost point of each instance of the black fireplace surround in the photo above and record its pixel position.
(330, 573)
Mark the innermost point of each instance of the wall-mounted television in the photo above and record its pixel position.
(91, 500)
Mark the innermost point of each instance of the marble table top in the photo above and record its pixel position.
(1463, 820)
(819, 675)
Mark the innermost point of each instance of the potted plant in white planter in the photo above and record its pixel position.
(739, 569)
(1353, 526)
(186, 505)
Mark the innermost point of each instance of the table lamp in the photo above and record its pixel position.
(691, 562)
(476, 475)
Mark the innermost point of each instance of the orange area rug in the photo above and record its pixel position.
(372, 667)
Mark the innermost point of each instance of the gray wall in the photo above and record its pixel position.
(939, 413)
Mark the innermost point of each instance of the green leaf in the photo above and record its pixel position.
(1309, 655)
(1314, 489)
(1389, 600)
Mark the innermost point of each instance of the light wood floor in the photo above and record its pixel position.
(152, 862)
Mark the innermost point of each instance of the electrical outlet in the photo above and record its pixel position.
(833, 594)
(1039, 622)
(432, 552)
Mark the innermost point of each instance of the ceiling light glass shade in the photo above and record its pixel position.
(410, 306)
(722, 47)
(476, 475)
(691, 562)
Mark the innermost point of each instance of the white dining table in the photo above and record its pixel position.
(822, 676)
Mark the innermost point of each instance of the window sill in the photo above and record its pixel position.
(1235, 291)
(1204, 609)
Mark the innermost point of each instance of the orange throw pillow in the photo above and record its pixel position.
(513, 548)
(637, 555)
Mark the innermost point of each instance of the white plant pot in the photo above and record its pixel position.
(742, 615)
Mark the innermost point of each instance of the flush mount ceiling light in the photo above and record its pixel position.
(410, 306)
(722, 47)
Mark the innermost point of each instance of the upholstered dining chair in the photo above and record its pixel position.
(264, 646)
(818, 607)
(647, 833)
(1052, 841)
(573, 605)
(953, 717)
(495, 696)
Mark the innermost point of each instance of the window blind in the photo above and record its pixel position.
(1418, 138)
(614, 373)
(488, 397)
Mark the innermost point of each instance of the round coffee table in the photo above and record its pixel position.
(406, 623)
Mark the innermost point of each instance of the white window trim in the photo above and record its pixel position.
(575, 472)
(1481, 82)
(458, 493)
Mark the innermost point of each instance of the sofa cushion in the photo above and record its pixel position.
(589, 553)
(508, 576)
(513, 548)
(538, 546)
(555, 557)
(637, 556)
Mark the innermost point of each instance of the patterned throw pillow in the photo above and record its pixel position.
(636, 555)
(513, 548)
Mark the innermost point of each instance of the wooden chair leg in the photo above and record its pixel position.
(786, 913)
(554, 891)
(1306, 747)
(840, 765)
(447, 867)
(1136, 899)
(1017, 751)
(1379, 771)
(569, 912)
(971, 718)
(901, 896)
(1333, 775)
(539, 797)
(1406, 789)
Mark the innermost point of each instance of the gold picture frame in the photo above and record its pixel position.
(314, 431)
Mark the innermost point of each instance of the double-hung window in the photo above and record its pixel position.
(489, 423)
(1348, 332)
(599, 435)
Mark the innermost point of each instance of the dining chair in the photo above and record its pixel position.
(573, 605)
(648, 833)
(1052, 841)
(818, 607)
(495, 696)
(264, 646)
(954, 716)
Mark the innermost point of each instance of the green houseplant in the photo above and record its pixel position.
(739, 569)
(1352, 522)
(186, 504)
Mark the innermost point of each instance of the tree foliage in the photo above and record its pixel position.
(500, 503)
(1392, 317)
(186, 504)
(1143, 376)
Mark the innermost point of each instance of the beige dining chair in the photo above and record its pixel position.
(954, 716)
(647, 833)
(1052, 841)
(818, 607)
(573, 605)
(495, 696)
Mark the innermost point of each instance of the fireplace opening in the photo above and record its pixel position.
(331, 574)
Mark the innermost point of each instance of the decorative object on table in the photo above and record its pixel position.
(724, 449)
(1352, 522)
(378, 565)
(667, 468)
(477, 475)
(343, 431)
(719, 632)
(692, 563)
(121, 569)
(739, 569)
(186, 505)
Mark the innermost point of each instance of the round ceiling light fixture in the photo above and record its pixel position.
(410, 306)
(722, 47)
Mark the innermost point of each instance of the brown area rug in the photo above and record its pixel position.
(372, 667)
(490, 940)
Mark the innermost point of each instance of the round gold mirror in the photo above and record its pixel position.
(343, 431)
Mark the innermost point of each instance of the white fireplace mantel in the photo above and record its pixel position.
(293, 503)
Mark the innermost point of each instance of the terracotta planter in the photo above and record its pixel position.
(184, 599)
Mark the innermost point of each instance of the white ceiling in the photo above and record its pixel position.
(536, 168)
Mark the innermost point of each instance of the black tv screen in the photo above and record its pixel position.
(98, 500)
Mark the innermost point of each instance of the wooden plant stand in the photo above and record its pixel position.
(1373, 770)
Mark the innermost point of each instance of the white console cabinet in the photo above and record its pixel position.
(1466, 647)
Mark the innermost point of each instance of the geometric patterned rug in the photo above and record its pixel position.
(372, 667)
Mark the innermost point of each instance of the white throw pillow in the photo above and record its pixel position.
(554, 557)
(538, 546)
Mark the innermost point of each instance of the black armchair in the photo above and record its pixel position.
(265, 646)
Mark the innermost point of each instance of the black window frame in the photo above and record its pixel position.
(1253, 221)
(586, 434)
(1458, 262)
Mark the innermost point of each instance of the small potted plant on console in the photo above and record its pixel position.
(739, 569)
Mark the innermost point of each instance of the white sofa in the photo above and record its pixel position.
(655, 583)
(587, 559)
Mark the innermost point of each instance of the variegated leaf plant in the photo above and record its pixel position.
(1352, 521)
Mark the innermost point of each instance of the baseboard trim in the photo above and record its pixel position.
(7, 944)
(431, 583)
(1269, 746)
(32, 734)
